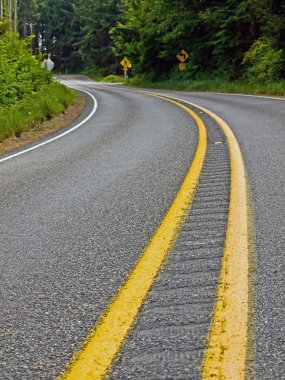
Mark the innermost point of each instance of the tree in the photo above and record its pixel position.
(233, 30)
(95, 20)
(153, 31)
(57, 32)
(96, 34)
(20, 73)
(8, 12)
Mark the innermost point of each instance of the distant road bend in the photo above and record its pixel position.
(147, 243)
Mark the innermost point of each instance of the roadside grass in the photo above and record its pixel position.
(114, 79)
(49, 102)
(213, 85)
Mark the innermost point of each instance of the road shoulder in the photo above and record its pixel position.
(44, 129)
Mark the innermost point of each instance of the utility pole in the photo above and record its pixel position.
(31, 25)
(10, 16)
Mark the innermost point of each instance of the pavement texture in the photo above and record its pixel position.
(75, 216)
(170, 336)
(259, 124)
(77, 213)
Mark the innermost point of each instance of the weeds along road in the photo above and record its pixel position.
(78, 212)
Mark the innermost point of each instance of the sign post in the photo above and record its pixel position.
(126, 66)
(182, 56)
(182, 66)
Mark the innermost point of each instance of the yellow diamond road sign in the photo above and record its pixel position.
(182, 56)
(126, 63)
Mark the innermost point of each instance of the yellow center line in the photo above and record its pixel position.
(225, 357)
(103, 343)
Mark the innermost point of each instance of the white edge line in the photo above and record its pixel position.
(95, 107)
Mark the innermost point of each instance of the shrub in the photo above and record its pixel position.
(35, 109)
(263, 61)
(20, 73)
(28, 94)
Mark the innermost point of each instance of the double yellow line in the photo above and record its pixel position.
(225, 357)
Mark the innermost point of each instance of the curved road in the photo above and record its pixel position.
(77, 213)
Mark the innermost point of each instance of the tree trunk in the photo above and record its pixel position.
(25, 27)
(16, 16)
(1, 10)
(10, 12)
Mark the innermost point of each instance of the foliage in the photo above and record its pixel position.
(94, 72)
(52, 100)
(29, 12)
(264, 61)
(217, 34)
(232, 31)
(95, 19)
(28, 94)
(95, 35)
(90, 35)
(114, 79)
(20, 73)
(152, 32)
(60, 33)
(76, 32)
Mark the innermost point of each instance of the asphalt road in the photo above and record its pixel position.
(77, 213)
(259, 125)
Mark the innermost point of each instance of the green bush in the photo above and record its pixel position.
(263, 61)
(28, 94)
(113, 79)
(94, 72)
(20, 73)
(52, 100)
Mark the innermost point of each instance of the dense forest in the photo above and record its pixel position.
(230, 38)
(235, 41)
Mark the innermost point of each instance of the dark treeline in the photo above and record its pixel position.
(229, 38)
